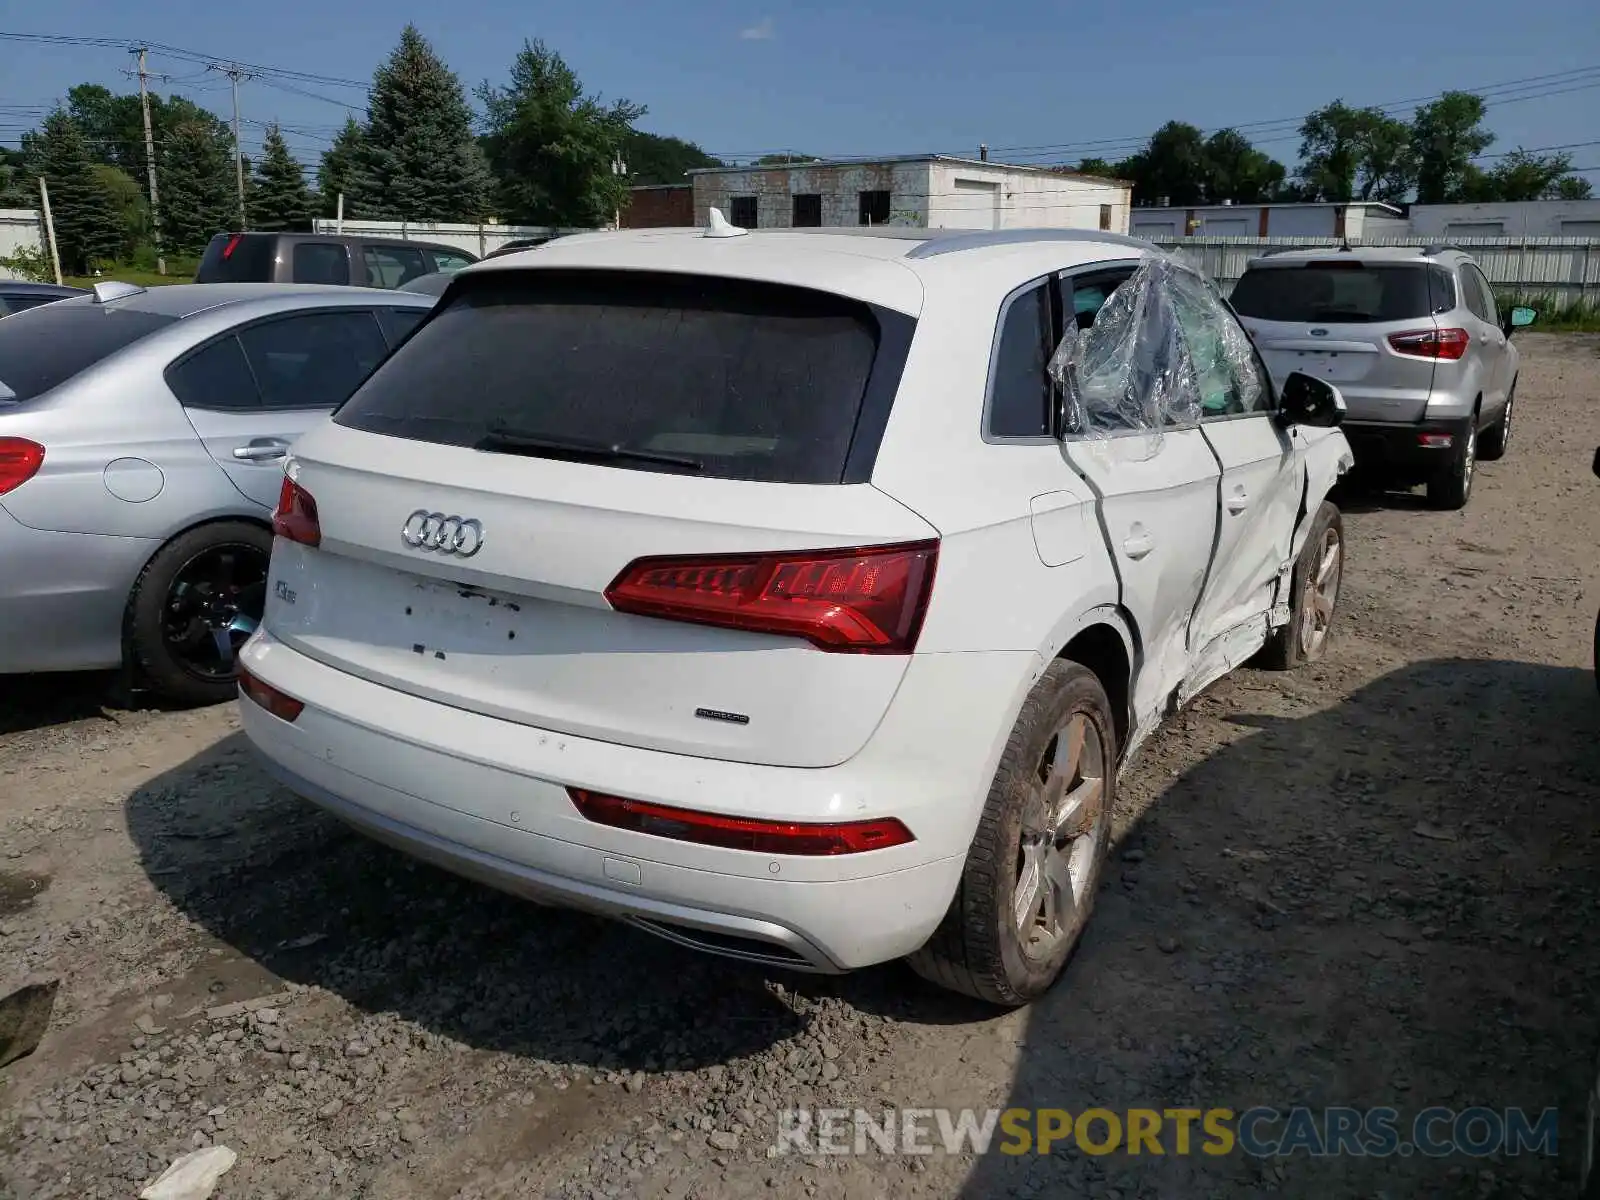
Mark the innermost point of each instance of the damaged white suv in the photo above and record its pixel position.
(792, 595)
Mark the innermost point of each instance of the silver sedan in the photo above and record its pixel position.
(142, 437)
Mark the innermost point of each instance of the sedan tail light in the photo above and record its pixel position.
(279, 704)
(20, 461)
(1431, 343)
(741, 833)
(863, 600)
(296, 515)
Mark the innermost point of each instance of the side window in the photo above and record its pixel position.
(398, 322)
(314, 359)
(443, 260)
(1085, 295)
(1471, 296)
(218, 378)
(390, 266)
(1486, 293)
(321, 262)
(1226, 374)
(1441, 290)
(16, 304)
(1020, 392)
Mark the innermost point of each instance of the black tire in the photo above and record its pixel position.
(977, 949)
(159, 664)
(1493, 444)
(1451, 487)
(1597, 650)
(1289, 646)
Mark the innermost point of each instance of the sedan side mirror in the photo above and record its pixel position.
(1307, 400)
(1520, 317)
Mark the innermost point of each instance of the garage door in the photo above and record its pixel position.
(975, 204)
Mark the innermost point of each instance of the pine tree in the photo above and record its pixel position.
(89, 226)
(340, 170)
(198, 198)
(419, 160)
(279, 198)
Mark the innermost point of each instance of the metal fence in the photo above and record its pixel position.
(1566, 270)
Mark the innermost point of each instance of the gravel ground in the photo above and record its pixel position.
(1370, 883)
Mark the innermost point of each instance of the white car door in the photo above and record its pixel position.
(1492, 340)
(1261, 486)
(250, 393)
(1156, 498)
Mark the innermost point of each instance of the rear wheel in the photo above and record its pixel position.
(1036, 860)
(196, 603)
(1452, 486)
(1495, 441)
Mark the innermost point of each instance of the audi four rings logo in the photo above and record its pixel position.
(426, 530)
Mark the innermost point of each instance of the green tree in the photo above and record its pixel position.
(130, 203)
(1573, 187)
(113, 125)
(551, 145)
(1521, 175)
(198, 191)
(1098, 166)
(1172, 167)
(340, 170)
(89, 228)
(652, 158)
(1236, 170)
(1445, 137)
(784, 159)
(16, 188)
(279, 198)
(419, 160)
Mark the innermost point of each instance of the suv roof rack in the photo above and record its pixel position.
(951, 243)
(1438, 248)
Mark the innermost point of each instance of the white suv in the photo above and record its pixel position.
(795, 596)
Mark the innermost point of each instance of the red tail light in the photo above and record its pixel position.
(862, 600)
(233, 244)
(20, 461)
(740, 833)
(296, 515)
(279, 704)
(1431, 343)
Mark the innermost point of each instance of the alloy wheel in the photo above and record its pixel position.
(212, 608)
(1059, 853)
(1321, 593)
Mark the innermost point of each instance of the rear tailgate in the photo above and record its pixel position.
(511, 619)
(1333, 318)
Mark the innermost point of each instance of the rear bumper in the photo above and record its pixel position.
(62, 597)
(486, 798)
(1413, 447)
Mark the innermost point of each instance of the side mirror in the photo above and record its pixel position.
(1520, 317)
(1307, 400)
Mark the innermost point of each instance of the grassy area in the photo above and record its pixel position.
(1554, 316)
(129, 275)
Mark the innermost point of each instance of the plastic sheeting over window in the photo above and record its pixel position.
(1163, 351)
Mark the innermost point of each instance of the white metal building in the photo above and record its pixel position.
(1526, 218)
(926, 191)
(20, 229)
(1357, 219)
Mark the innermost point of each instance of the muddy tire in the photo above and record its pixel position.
(196, 602)
(1037, 858)
(1494, 442)
(1451, 487)
(1314, 593)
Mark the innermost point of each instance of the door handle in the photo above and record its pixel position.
(1137, 545)
(1238, 502)
(261, 450)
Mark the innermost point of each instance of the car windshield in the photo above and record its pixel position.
(1337, 292)
(46, 346)
(726, 378)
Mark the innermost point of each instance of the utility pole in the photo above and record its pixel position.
(235, 73)
(150, 164)
(49, 227)
(620, 170)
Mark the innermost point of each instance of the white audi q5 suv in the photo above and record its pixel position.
(793, 595)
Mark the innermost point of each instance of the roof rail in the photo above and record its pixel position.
(981, 239)
(1439, 248)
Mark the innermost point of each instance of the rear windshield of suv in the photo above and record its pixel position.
(724, 378)
(46, 346)
(238, 258)
(1342, 292)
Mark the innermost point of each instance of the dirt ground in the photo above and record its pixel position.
(1370, 883)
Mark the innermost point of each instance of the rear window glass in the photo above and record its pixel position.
(726, 378)
(232, 258)
(1337, 293)
(46, 346)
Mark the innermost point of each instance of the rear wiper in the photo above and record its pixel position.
(514, 441)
